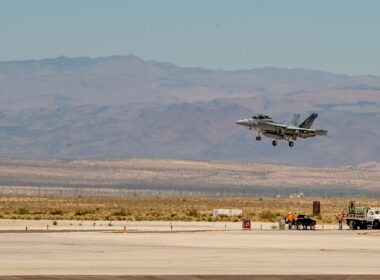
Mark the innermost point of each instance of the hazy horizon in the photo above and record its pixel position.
(182, 66)
(337, 37)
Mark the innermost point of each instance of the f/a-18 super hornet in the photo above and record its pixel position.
(277, 130)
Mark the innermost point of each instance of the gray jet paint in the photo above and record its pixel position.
(277, 130)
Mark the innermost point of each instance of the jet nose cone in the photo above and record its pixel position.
(242, 122)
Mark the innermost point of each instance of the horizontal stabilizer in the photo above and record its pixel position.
(321, 132)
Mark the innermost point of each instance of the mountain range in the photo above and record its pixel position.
(124, 107)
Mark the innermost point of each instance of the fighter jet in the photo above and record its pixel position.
(277, 130)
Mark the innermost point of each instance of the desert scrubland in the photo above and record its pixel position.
(171, 190)
(166, 208)
(160, 176)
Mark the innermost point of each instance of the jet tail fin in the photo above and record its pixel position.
(309, 121)
(296, 119)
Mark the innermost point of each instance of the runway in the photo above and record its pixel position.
(211, 252)
(195, 277)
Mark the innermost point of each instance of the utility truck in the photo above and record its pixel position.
(362, 217)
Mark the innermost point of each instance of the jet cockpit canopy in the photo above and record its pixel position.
(261, 117)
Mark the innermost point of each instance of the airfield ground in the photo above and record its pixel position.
(154, 217)
(168, 208)
(192, 248)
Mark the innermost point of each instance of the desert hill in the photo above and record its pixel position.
(171, 176)
(125, 107)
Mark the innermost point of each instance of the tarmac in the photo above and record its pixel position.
(180, 248)
(194, 277)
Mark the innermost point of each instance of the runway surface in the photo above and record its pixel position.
(207, 252)
(195, 277)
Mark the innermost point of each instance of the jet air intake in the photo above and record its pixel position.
(273, 135)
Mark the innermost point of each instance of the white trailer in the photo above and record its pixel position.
(227, 212)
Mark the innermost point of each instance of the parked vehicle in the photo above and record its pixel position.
(362, 217)
(303, 221)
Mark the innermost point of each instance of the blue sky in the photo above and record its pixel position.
(336, 36)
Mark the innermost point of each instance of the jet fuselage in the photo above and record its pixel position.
(277, 130)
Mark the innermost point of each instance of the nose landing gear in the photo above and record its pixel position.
(291, 143)
(274, 143)
(258, 138)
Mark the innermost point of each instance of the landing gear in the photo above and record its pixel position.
(258, 138)
(274, 143)
(291, 143)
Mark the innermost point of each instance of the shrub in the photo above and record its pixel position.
(56, 212)
(327, 219)
(223, 217)
(84, 211)
(119, 212)
(22, 210)
(153, 214)
(268, 215)
(192, 212)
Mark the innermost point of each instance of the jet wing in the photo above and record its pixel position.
(316, 131)
(300, 129)
(279, 125)
(291, 129)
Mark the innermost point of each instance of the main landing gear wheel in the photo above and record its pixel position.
(274, 143)
(291, 143)
(258, 138)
